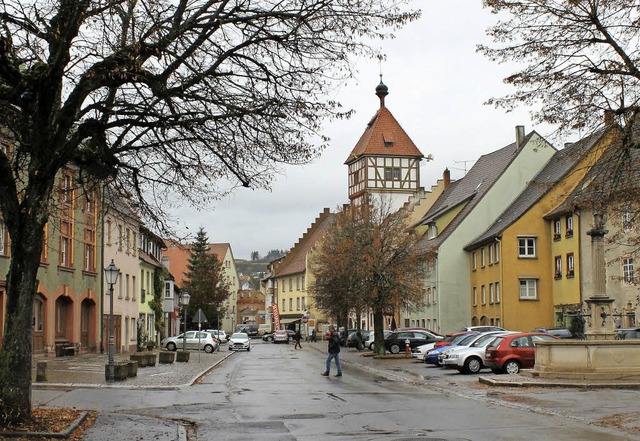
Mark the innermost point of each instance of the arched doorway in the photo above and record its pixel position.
(88, 340)
(64, 319)
(39, 308)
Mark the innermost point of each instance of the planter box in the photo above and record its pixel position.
(140, 357)
(133, 368)
(151, 358)
(166, 357)
(120, 371)
(182, 356)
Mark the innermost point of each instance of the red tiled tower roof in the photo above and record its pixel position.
(384, 136)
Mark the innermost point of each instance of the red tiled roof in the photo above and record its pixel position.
(384, 137)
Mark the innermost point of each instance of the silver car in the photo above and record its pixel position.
(469, 359)
(193, 340)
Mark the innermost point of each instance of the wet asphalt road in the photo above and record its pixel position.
(276, 393)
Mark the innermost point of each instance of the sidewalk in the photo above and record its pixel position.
(88, 370)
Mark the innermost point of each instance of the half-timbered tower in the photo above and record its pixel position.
(385, 163)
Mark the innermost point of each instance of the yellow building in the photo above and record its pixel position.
(291, 277)
(524, 267)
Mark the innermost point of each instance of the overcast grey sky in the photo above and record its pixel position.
(437, 86)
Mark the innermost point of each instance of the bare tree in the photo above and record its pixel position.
(368, 261)
(165, 98)
(581, 60)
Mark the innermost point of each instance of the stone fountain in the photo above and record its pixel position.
(600, 356)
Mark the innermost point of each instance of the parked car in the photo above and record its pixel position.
(292, 334)
(463, 344)
(418, 329)
(195, 340)
(510, 353)
(469, 359)
(354, 342)
(449, 338)
(432, 356)
(268, 336)
(396, 341)
(627, 333)
(280, 336)
(482, 328)
(223, 337)
(239, 340)
(371, 340)
(420, 351)
(558, 332)
(251, 329)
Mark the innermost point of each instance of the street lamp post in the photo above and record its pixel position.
(184, 301)
(111, 274)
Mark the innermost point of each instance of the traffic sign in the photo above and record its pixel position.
(304, 319)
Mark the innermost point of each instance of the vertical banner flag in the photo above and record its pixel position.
(276, 315)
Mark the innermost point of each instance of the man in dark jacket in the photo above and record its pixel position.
(334, 352)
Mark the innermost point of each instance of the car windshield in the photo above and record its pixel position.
(461, 338)
(239, 336)
(482, 340)
(467, 340)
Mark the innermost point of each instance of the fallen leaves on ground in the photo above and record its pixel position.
(53, 420)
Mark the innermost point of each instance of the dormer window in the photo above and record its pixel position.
(388, 139)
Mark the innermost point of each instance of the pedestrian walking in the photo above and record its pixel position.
(297, 338)
(334, 352)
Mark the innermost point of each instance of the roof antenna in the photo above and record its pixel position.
(381, 90)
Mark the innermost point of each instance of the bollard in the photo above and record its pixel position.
(41, 372)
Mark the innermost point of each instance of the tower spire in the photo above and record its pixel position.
(382, 90)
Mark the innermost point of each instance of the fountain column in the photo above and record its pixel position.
(601, 326)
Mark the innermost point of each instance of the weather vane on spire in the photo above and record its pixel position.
(382, 90)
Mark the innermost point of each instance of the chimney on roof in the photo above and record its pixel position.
(519, 136)
(609, 117)
(446, 176)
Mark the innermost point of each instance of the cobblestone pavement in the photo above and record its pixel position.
(88, 370)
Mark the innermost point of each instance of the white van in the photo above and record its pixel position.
(264, 329)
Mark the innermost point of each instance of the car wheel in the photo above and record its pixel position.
(472, 365)
(371, 346)
(208, 349)
(171, 346)
(360, 346)
(230, 348)
(394, 349)
(511, 367)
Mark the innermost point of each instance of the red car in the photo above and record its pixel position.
(509, 353)
(449, 338)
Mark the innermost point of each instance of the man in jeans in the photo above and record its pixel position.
(334, 352)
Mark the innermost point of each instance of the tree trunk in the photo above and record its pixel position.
(378, 330)
(26, 229)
